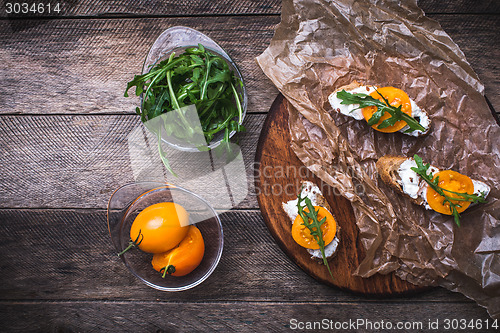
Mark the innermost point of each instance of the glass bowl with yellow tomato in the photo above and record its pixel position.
(168, 237)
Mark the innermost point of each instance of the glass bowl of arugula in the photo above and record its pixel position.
(192, 93)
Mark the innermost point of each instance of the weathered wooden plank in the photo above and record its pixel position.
(460, 6)
(114, 8)
(67, 254)
(78, 161)
(164, 316)
(484, 59)
(83, 65)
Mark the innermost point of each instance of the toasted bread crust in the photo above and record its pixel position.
(322, 202)
(353, 85)
(387, 168)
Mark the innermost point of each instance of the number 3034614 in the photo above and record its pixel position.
(32, 8)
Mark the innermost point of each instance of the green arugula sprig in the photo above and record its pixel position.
(199, 77)
(312, 223)
(423, 171)
(365, 100)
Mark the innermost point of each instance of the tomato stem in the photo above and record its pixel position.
(170, 269)
(133, 243)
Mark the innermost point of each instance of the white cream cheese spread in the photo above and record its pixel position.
(352, 110)
(416, 187)
(310, 190)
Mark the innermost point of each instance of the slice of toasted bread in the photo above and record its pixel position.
(310, 190)
(419, 114)
(391, 170)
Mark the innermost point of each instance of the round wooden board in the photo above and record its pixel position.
(278, 174)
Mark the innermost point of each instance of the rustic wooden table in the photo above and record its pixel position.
(63, 134)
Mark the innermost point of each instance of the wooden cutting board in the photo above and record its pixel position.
(278, 175)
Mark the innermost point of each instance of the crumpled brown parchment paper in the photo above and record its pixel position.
(321, 45)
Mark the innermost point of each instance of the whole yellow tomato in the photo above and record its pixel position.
(183, 259)
(160, 227)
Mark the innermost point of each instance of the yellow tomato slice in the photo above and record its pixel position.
(302, 235)
(396, 97)
(452, 181)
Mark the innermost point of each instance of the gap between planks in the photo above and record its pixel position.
(152, 16)
(204, 15)
(390, 301)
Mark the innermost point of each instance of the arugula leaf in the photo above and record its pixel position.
(311, 222)
(384, 106)
(197, 76)
(425, 173)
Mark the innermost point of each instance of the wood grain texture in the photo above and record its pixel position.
(114, 8)
(152, 8)
(58, 271)
(278, 180)
(83, 65)
(65, 161)
(67, 254)
(163, 316)
(460, 6)
(485, 60)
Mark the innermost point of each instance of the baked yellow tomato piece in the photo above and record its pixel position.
(396, 97)
(302, 235)
(450, 181)
(160, 227)
(184, 258)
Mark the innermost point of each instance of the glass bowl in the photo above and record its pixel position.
(177, 39)
(129, 200)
